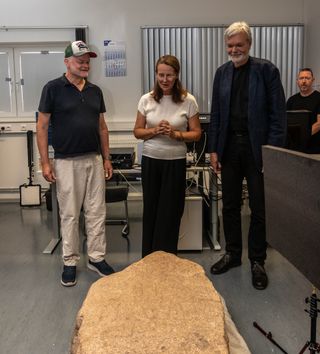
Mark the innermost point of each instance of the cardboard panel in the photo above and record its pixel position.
(292, 192)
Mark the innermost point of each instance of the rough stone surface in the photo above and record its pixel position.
(161, 304)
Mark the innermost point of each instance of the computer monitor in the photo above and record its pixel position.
(200, 148)
(298, 130)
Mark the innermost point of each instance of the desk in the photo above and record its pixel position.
(210, 195)
(212, 232)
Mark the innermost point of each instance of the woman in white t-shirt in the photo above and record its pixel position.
(167, 117)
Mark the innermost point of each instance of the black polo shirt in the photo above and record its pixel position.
(74, 116)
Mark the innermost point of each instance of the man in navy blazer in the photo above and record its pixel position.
(248, 111)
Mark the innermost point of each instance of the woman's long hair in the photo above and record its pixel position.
(178, 92)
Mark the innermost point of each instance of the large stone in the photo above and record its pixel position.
(161, 304)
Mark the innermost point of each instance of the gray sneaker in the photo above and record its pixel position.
(102, 268)
(68, 277)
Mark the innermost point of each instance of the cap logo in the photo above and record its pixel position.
(81, 46)
(77, 49)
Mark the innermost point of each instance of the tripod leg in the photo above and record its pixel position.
(269, 337)
(304, 348)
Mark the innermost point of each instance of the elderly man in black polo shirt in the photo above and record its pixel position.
(80, 138)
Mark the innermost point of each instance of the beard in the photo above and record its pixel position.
(239, 59)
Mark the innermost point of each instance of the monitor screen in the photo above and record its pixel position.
(298, 130)
(200, 148)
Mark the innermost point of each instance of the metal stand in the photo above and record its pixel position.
(311, 344)
(211, 199)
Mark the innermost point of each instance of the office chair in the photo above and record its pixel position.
(113, 194)
(119, 193)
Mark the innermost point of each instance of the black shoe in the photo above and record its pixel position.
(259, 276)
(102, 268)
(224, 264)
(69, 276)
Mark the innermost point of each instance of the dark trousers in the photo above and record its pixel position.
(238, 162)
(163, 185)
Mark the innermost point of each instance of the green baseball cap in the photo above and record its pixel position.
(78, 48)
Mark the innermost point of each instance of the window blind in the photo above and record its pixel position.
(201, 50)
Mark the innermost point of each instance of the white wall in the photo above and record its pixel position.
(121, 20)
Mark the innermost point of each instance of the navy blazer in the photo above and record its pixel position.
(267, 121)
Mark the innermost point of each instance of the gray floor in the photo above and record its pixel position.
(37, 314)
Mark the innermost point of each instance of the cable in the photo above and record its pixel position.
(203, 149)
(126, 180)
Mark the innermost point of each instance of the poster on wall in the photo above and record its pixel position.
(115, 58)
